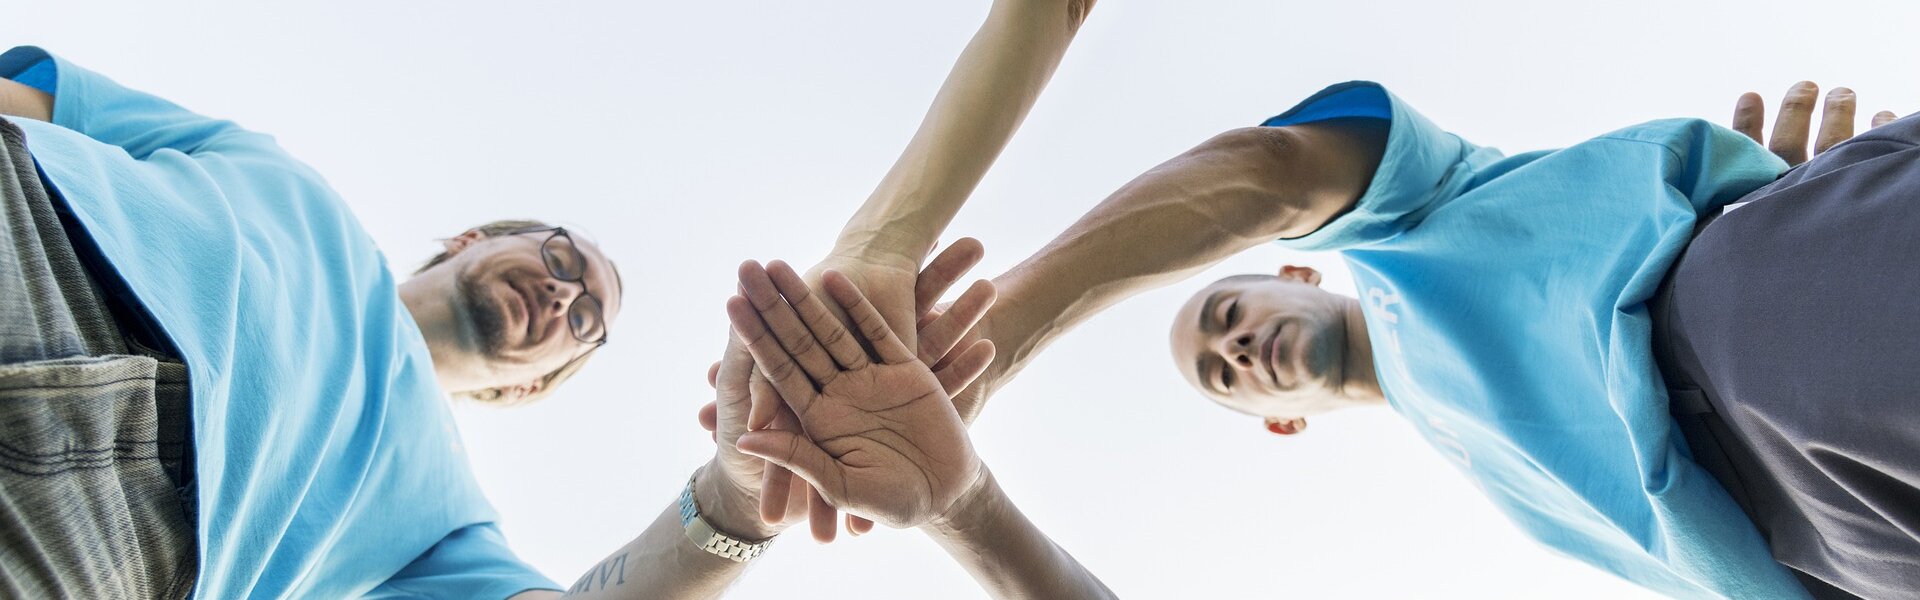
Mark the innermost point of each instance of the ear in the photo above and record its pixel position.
(515, 393)
(455, 244)
(1304, 275)
(1286, 426)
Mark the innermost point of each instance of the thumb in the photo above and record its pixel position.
(710, 416)
(798, 454)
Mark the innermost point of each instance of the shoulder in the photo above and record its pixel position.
(1676, 135)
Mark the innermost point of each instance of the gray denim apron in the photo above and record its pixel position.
(95, 449)
(1789, 336)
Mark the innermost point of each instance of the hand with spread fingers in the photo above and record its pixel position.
(881, 437)
(785, 499)
(1795, 121)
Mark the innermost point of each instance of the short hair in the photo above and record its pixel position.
(550, 381)
(493, 229)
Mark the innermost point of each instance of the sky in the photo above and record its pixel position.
(688, 136)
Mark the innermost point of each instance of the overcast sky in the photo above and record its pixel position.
(688, 136)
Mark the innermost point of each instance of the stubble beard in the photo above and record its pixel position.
(487, 327)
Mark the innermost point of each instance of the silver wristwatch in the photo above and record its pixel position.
(712, 540)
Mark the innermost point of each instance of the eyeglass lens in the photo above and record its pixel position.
(566, 263)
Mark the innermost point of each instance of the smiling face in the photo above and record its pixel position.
(1270, 346)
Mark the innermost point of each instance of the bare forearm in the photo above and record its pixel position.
(662, 563)
(993, 85)
(1007, 554)
(21, 100)
(1240, 189)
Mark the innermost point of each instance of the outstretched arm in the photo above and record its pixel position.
(992, 86)
(1007, 554)
(989, 92)
(1240, 189)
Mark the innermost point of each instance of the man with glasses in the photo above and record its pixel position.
(211, 384)
(481, 327)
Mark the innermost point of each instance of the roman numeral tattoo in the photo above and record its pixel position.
(612, 570)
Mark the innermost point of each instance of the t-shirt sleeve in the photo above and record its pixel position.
(1422, 166)
(137, 122)
(472, 562)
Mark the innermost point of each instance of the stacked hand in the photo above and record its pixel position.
(878, 435)
(781, 499)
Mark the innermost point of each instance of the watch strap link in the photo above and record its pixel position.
(713, 541)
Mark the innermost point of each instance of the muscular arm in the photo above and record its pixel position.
(20, 100)
(1239, 189)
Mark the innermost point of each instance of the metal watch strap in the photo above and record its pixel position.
(712, 540)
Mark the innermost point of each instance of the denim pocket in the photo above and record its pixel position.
(86, 506)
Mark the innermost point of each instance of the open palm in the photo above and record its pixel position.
(881, 437)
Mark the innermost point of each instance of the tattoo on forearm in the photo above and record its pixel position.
(612, 571)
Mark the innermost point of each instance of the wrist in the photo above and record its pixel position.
(884, 244)
(975, 507)
(728, 507)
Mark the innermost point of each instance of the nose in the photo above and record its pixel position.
(1237, 349)
(559, 295)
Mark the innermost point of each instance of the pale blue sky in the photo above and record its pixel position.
(688, 136)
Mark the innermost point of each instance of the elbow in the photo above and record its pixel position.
(1077, 13)
(1265, 174)
(1269, 147)
(1309, 174)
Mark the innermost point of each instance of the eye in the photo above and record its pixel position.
(1226, 378)
(1233, 312)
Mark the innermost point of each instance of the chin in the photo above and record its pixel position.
(484, 315)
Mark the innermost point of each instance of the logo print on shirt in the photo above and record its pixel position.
(1383, 303)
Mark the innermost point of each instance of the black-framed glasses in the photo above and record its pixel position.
(586, 316)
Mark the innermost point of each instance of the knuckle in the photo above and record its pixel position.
(780, 371)
(800, 293)
(802, 344)
(833, 336)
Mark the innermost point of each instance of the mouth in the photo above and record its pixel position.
(526, 309)
(1276, 354)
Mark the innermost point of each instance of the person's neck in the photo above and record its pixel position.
(434, 313)
(1360, 383)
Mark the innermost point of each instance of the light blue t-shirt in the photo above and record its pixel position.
(1506, 302)
(328, 462)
